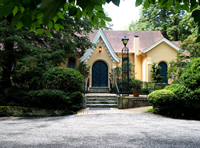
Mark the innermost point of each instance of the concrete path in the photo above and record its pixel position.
(87, 111)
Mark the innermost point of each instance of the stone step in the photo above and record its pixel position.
(102, 102)
(101, 98)
(99, 90)
(102, 105)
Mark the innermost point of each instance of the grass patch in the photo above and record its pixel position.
(151, 110)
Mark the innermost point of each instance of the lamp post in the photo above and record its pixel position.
(125, 67)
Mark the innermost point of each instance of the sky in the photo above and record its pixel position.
(122, 15)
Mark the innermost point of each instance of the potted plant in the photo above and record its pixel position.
(136, 87)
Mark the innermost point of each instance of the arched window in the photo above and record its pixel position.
(72, 63)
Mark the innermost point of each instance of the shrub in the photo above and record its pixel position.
(15, 96)
(28, 79)
(43, 98)
(56, 99)
(181, 91)
(67, 79)
(136, 85)
(191, 75)
(161, 100)
(175, 100)
(183, 97)
(49, 98)
(84, 69)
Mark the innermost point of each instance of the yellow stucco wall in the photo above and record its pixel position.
(138, 60)
(131, 58)
(102, 56)
(144, 68)
(161, 53)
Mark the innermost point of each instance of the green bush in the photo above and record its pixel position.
(175, 100)
(56, 99)
(136, 85)
(182, 102)
(67, 79)
(15, 96)
(183, 97)
(43, 98)
(84, 69)
(49, 98)
(161, 100)
(28, 79)
(191, 75)
(181, 91)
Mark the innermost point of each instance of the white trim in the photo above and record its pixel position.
(157, 43)
(107, 44)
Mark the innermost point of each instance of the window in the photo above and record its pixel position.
(72, 63)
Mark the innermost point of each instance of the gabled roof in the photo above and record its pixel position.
(95, 38)
(146, 38)
(158, 42)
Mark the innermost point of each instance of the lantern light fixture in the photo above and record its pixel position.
(125, 40)
(100, 48)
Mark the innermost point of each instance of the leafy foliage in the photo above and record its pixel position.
(61, 78)
(84, 69)
(43, 98)
(35, 54)
(174, 25)
(191, 75)
(192, 46)
(161, 100)
(155, 73)
(136, 84)
(32, 14)
(176, 66)
(185, 100)
(115, 74)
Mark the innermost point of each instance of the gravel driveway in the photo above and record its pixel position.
(136, 130)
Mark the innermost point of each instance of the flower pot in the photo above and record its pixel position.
(136, 93)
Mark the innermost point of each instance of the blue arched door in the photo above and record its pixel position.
(163, 72)
(99, 74)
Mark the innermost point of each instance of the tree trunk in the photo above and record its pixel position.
(8, 59)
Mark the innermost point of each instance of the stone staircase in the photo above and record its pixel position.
(101, 100)
(99, 90)
(100, 97)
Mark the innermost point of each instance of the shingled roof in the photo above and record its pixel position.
(146, 38)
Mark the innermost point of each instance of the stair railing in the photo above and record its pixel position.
(110, 85)
(118, 93)
(86, 85)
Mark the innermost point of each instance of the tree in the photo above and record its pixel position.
(115, 74)
(173, 25)
(33, 54)
(155, 73)
(176, 67)
(38, 13)
(187, 5)
(192, 46)
(190, 50)
(84, 69)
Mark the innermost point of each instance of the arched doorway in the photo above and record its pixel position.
(163, 72)
(99, 74)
